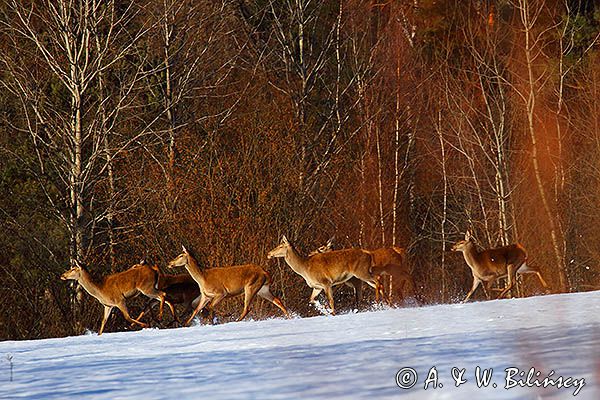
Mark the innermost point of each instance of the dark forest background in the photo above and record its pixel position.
(130, 128)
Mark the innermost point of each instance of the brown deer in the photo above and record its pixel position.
(389, 261)
(217, 284)
(179, 289)
(489, 265)
(354, 283)
(324, 270)
(114, 289)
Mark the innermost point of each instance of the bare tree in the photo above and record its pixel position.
(73, 47)
(532, 34)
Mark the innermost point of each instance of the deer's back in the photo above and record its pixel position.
(128, 282)
(338, 263)
(503, 256)
(389, 257)
(233, 279)
(165, 281)
(182, 292)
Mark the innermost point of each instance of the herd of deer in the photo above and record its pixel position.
(322, 269)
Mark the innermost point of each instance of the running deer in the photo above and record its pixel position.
(112, 290)
(324, 270)
(216, 284)
(354, 282)
(390, 261)
(179, 289)
(489, 265)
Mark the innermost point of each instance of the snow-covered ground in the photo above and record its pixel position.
(344, 356)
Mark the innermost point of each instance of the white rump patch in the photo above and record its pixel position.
(524, 268)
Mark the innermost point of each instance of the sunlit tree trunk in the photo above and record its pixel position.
(528, 21)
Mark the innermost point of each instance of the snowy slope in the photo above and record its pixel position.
(345, 356)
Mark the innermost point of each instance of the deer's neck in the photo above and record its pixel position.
(471, 255)
(194, 269)
(93, 288)
(296, 261)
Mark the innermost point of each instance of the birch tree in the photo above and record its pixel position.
(61, 86)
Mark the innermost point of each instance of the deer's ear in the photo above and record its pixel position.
(184, 249)
(284, 240)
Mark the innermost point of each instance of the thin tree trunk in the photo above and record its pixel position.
(527, 24)
(380, 186)
(396, 155)
(363, 200)
(107, 152)
(445, 205)
(168, 104)
(559, 186)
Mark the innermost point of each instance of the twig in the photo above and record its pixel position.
(9, 358)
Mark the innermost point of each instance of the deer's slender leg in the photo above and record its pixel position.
(277, 301)
(476, 283)
(161, 297)
(146, 307)
(123, 309)
(329, 294)
(265, 293)
(216, 300)
(539, 276)
(486, 289)
(512, 271)
(107, 310)
(168, 303)
(314, 294)
(379, 290)
(203, 302)
(249, 293)
(543, 282)
(358, 293)
(211, 307)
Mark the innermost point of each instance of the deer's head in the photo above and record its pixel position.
(181, 260)
(281, 250)
(462, 244)
(74, 273)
